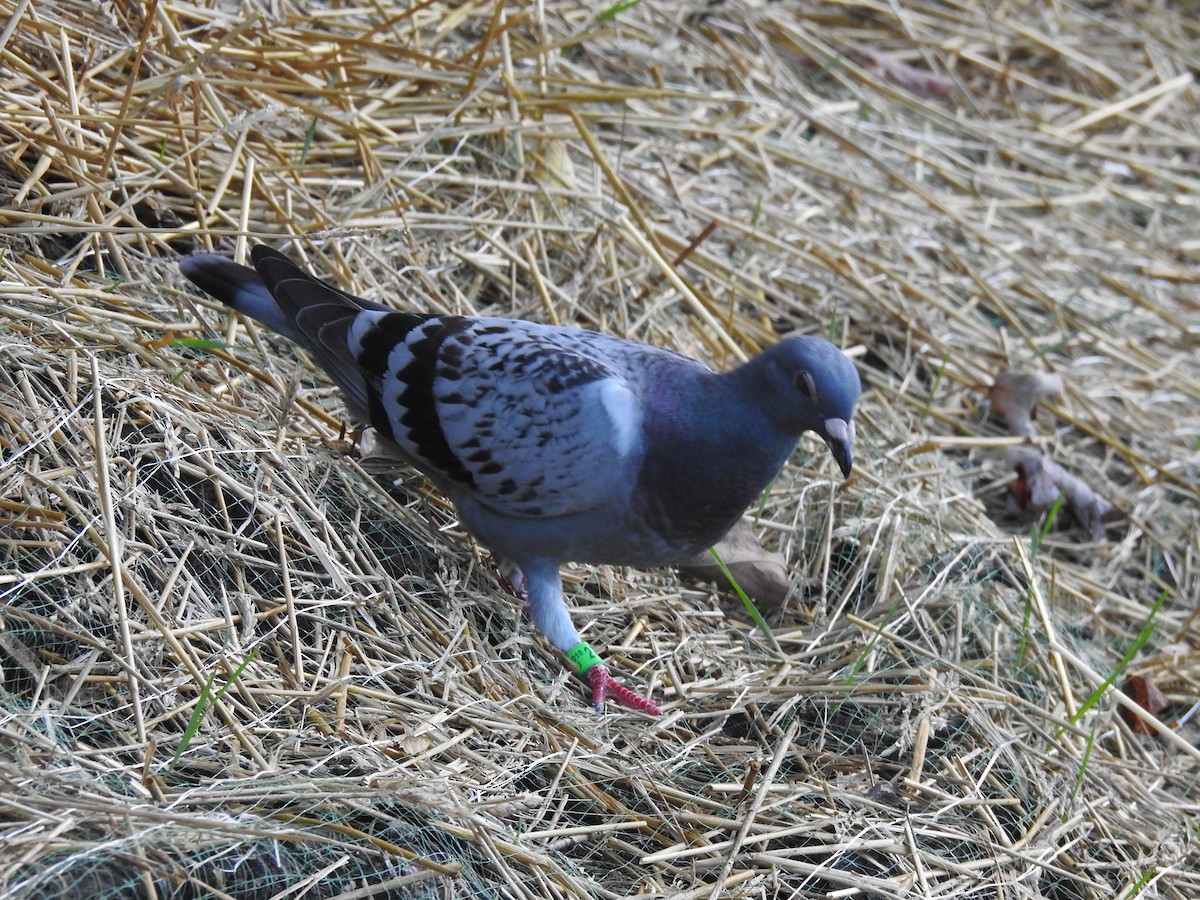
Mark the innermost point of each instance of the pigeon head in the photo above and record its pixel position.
(813, 386)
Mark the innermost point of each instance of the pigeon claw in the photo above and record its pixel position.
(605, 686)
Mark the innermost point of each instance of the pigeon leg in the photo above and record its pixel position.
(543, 584)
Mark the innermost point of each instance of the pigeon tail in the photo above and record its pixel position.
(238, 287)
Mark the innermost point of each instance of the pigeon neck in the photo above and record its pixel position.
(711, 452)
(745, 427)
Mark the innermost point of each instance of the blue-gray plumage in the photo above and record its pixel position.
(558, 444)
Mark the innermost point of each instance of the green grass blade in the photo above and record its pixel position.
(759, 621)
(1037, 534)
(193, 725)
(1136, 889)
(616, 9)
(1139, 642)
(200, 343)
(203, 705)
(236, 674)
(867, 650)
(1087, 755)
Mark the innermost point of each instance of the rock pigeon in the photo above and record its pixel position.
(558, 444)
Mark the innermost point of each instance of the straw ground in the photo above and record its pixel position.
(237, 663)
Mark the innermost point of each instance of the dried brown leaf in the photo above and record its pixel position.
(761, 573)
(919, 81)
(1148, 696)
(1040, 481)
(1015, 396)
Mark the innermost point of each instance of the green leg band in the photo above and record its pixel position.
(584, 657)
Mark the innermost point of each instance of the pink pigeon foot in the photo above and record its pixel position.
(512, 582)
(605, 686)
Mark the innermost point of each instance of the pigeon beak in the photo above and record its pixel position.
(839, 435)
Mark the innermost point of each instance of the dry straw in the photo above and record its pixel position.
(237, 664)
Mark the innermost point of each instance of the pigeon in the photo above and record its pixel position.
(557, 444)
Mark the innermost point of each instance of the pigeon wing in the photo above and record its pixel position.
(525, 418)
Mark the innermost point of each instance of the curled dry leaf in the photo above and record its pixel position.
(921, 82)
(1015, 396)
(1040, 480)
(378, 453)
(412, 745)
(1146, 694)
(913, 79)
(761, 573)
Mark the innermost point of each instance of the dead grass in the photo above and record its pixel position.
(945, 189)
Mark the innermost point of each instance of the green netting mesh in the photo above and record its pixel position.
(235, 662)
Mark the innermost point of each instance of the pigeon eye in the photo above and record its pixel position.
(805, 385)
